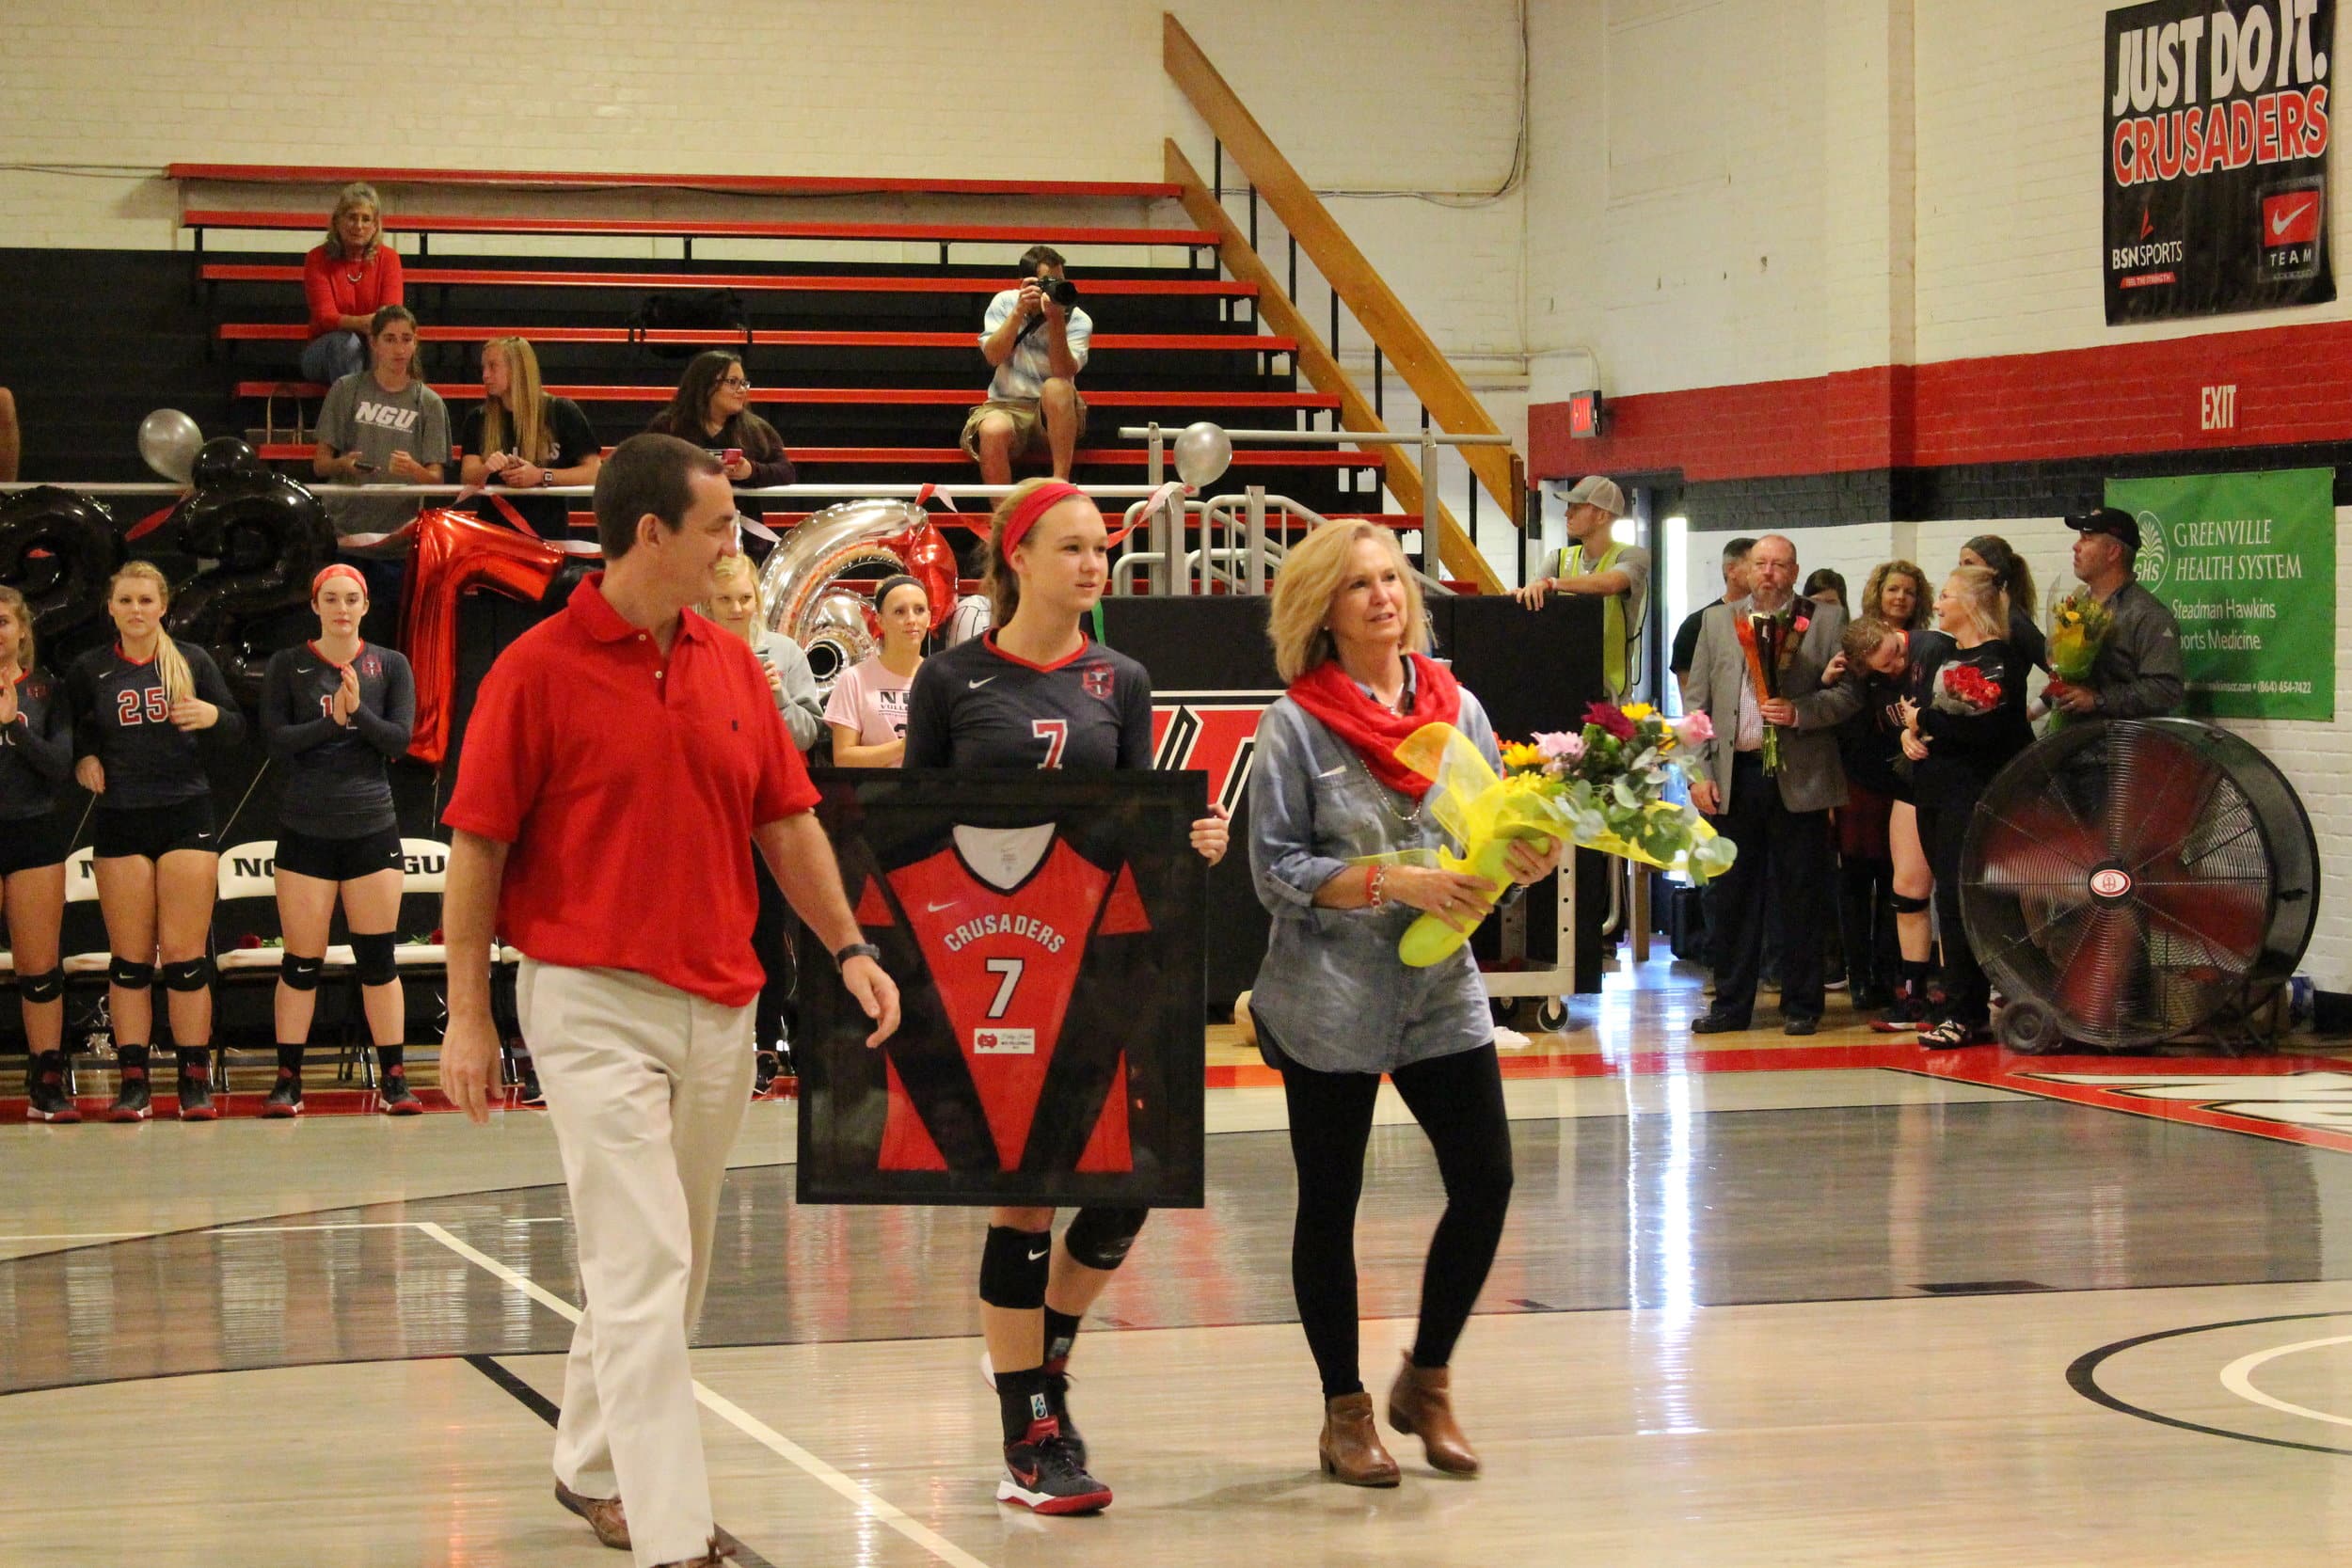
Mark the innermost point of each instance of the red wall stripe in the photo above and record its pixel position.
(2292, 385)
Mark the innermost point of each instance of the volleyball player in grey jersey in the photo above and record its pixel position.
(336, 712)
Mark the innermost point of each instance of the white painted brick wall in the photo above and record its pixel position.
(1359, 93)
(2009, 215)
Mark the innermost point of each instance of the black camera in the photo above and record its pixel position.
(1059, 290)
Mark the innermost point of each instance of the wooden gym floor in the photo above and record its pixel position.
(1761, 1301)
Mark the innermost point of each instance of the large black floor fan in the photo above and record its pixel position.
(2132, 881)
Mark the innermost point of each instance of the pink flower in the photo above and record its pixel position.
(1611, 720)
(1694, 728)
(1559, 746)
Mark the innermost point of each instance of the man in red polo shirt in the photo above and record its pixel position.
(622, 758)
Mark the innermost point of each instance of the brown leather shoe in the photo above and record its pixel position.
(716, 1555)
(604, 1515)
(1350, 1446)
(1420, 1404)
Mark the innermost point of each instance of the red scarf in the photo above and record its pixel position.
(1328, 694)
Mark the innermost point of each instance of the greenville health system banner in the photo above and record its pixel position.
(2247, 563)
(2215, 164)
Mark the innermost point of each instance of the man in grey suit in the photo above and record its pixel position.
(1780, 821)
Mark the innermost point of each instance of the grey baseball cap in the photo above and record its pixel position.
(1597, 490)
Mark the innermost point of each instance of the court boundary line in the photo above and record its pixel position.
(2082, 1375)
(867, 1502)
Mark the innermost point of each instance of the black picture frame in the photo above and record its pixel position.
(1113, 913)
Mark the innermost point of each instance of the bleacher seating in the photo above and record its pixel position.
(878, 361)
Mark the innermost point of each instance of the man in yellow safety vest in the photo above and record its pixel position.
(1593, 562)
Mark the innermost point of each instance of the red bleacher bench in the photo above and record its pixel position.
(1238, 343)
(910, 396)
(746, 184)
(202, 219)
(242, 272)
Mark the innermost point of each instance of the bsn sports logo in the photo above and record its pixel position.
(1214, 732)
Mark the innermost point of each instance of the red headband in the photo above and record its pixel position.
(1035, 505)
(337, 569)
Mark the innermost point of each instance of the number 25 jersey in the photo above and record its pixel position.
(1010, 1057)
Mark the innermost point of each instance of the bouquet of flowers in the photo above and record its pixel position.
(1770, 641)
(1964, 688)
(1600, 788)
(2079, 628)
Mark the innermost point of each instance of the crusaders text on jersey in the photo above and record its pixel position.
(1017, 940)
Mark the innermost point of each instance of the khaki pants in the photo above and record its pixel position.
(646, 1087)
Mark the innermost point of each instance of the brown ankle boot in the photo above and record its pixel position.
(1350, 1446)
(1420, 1404)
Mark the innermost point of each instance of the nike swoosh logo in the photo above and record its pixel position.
(935, 909)
(2278, 225)
(983, 681)
(1040, 1253)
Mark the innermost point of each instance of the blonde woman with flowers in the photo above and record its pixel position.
(1335, 1004)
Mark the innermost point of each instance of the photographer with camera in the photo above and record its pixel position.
(1036, 337)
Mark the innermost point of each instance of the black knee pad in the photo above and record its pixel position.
(1099, 1238)
(372, 955)
(1013, 1267)
(1905, 904)
(301, 972)
(188, 975)
(130, 977)
(41, 987)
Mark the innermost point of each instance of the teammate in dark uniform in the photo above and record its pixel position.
(1038, 692)
(335, 711)
(35, 756)
(138, 708)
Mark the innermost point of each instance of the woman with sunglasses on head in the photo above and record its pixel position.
(336, 711)
(36, 756)
(140, 707)
(868, 709)
(345, 281)
(712, 408)
(1037, 691)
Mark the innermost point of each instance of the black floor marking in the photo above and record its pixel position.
(543, 1407)
(525, 1394)
(1983, 1287)
(2083, 1377)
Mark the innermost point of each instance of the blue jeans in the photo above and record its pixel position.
(331, 356)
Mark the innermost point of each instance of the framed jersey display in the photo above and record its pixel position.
(1046, 931)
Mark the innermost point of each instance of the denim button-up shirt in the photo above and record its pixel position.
(1332, 991)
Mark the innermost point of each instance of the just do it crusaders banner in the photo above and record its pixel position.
(2247, 563)
(2218, 116)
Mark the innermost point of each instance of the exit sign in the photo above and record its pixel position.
(1584, 415)
(2217, 408)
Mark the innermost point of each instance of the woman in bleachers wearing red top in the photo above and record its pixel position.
(712, 408)
(346, 281)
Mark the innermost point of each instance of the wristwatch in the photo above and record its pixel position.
(856, 950)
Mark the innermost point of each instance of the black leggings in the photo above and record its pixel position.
(1458, 1102)
(1969, 995)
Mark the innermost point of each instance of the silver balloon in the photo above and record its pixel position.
(1204, 453)
(169, 441)
(797, 584)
